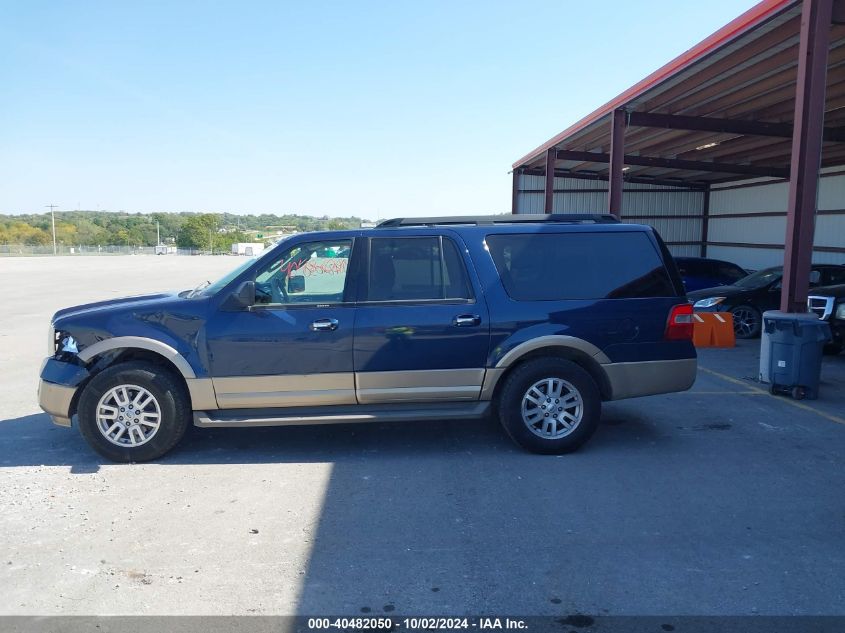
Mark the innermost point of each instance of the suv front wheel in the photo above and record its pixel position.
(133, 412)
(550, 405)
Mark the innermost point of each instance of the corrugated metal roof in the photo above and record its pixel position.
(746, 71)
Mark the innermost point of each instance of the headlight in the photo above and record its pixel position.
(709, 302)
(68, 344)
(64, 343)
(840, 311)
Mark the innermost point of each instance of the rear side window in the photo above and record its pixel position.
(730, 271)
(691, 267)
(416, 269)
(837, 276)
(553, 266)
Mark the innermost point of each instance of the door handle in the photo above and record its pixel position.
(324, 325)
(466, 320)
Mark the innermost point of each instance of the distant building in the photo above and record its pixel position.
(250, 249)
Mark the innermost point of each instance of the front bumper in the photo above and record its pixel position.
(56, 400)
(57, 389)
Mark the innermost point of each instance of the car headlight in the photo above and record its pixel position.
(840, 311)
(68, 344)
(709, 302)
(63, 343)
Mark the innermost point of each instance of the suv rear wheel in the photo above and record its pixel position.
(133, 412)
(550, 405)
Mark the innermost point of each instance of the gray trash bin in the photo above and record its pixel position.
(791, 352)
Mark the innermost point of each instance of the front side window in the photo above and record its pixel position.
(579, 265)
(416, 269)
(309, 273)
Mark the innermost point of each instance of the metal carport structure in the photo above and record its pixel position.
(753, 111)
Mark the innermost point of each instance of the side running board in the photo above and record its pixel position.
(295, 416)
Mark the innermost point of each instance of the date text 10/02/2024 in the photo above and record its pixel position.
(416, 623)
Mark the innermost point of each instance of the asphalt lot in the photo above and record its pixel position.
(721, 500)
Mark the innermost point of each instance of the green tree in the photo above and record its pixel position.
(198, 231)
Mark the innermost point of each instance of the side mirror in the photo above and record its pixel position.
(243, 297)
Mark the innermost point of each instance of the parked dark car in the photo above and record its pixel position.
(828, 302)
(748, 298)
(701, 272)
(427, 319)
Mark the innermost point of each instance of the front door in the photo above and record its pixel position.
(422, 329)
(294, 346)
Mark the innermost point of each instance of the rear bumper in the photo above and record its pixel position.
(631, 380)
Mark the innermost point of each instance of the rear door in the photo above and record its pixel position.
(422, 326)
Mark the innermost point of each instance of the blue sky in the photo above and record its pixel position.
(369, 108)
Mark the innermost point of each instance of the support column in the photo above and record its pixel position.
(515, 192)
(705, 221)
(816, 16)
(549, 187)
(617, 162)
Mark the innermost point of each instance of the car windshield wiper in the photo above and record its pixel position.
(198, 289)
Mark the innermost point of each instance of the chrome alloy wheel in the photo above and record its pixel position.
(552, 408)
(745, 321)
(128, 415)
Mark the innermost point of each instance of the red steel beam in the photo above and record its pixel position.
(705, 222)
(723, 126)
(677, 163)
(549, 188)
(617, 162)
(816, 18)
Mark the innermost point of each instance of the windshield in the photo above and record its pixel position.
(761, 278)
(215, 287)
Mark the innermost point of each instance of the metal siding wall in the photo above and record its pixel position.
(772, 197)
(750, 258)
(590, 196)
(765, 197)
(765, 230)
(685, 251)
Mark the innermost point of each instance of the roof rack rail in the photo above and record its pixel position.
(571, 218)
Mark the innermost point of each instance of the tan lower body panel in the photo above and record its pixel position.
(375, 387)
(55, 400)
(248, 392)
(202, 395)
(630, 380)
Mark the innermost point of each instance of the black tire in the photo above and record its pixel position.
(748, 322)
(832, 349)
(167, 390)
(517, 385)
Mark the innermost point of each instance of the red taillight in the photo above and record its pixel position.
(679, 326)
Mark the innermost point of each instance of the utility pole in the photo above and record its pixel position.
(158, 235)
(53, 218)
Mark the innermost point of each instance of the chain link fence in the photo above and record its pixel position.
(25, 250)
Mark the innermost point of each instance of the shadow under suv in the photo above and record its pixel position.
(536, 318)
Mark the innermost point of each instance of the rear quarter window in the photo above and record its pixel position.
(601, 265)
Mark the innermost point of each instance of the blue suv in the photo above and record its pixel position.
(537, 319)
